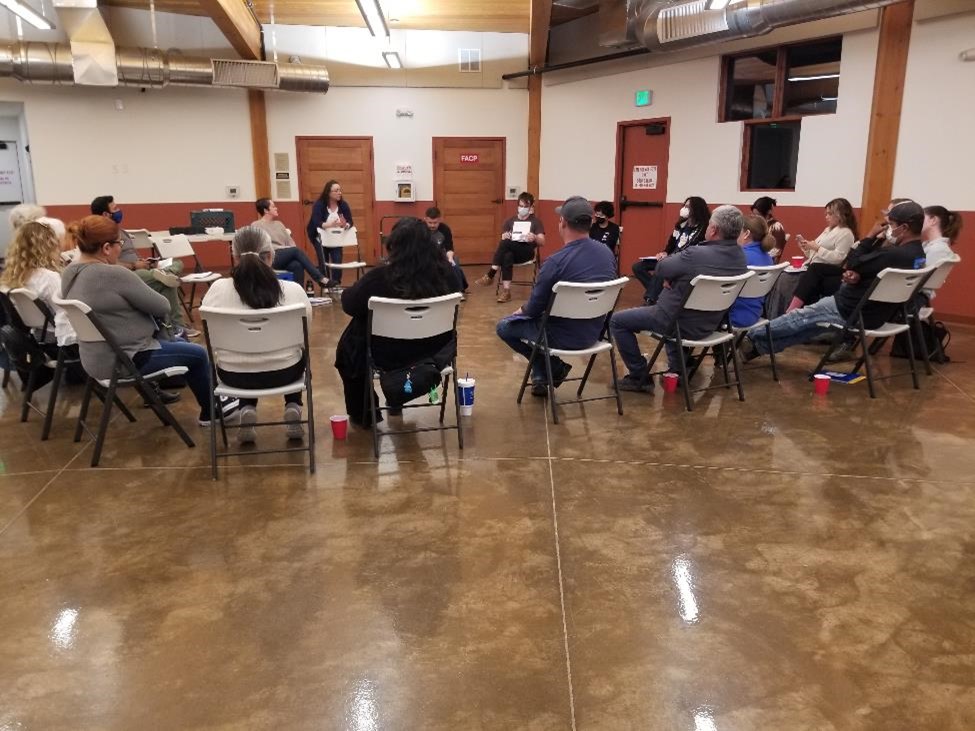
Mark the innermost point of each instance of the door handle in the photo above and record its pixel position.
(624, 204)
(305, 203)
(497, 200)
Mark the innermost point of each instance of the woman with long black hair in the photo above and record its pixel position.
(329, 211)
(254, 285)
(416, 269)
(688, 231)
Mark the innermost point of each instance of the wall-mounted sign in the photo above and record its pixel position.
(470, 158)
(642, 98)
(404, 170)
(644, 177)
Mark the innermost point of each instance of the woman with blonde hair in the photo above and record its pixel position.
(34, 262)
(825, 255)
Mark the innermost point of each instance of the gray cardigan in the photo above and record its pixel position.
(122, 302)
(716, 258)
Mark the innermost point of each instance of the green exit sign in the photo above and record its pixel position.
(643, 98)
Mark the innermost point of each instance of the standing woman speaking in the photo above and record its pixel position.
(329, 211)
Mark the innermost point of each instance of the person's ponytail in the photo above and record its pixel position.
(256, 283)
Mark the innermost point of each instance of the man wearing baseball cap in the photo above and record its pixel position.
(581, 260)
(900, 249)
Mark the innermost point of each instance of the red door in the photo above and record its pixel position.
(642, 151)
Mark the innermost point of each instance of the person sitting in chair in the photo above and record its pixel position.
(718, 255)
(581, 260)
(901, 248)
(254, 285)
(521, 237)
(287, 254)
(688, 231)
(441, 235)
(603, 230)
(415, 270)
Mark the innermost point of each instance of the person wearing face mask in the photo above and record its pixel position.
(718, 255)
(604, 230)
(164, 281)
(521, 236)
(901, 248)
(689, 230)
(826, 254)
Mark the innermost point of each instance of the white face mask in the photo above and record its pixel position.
(685, 212)
(523, 211)
(891, 239)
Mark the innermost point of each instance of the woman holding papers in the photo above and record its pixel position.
(521, 235)
(688, 231)
(329, 211)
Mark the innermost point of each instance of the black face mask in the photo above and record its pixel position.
(600, 221)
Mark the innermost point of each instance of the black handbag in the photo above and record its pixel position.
(935, 335)
(402, 385)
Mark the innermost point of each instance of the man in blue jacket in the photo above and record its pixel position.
(581, 260)
(718, 255)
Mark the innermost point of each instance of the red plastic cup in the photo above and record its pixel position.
(821, 384)
(670, 381)
(798, 261)
(340, 426)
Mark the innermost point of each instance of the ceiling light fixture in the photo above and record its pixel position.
(814, 78)
(392, 59)
(27, 13)
(372, 13)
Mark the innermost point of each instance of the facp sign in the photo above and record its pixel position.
(471, 158)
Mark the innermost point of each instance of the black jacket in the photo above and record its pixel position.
(868, 259)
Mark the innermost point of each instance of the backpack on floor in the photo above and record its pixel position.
(934, 335)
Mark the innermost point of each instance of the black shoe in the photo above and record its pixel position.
(165, 396)
(843, 353)
(746, 350)
(395, 410)
(539, 389)
(559, 372)
(636, 384)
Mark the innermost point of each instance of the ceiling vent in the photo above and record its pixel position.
(688, 21)
(250, 74)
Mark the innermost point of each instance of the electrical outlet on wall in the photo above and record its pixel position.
(233, 191)
(513, 192)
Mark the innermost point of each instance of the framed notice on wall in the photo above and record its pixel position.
(644, 177)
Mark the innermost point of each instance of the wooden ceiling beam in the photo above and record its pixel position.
(539, 24)
(238, 24)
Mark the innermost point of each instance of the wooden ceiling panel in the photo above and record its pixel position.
(502, 16)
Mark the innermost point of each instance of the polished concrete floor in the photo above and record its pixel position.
(791, 562)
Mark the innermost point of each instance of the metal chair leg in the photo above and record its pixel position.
(311, 423)
(28, 393)
(683, 376)
(52, 399)
(616, 384)
(443, 398)
(736, 363)
(372, 413)
(528, 370)
(771, 352)
(918, 331)
(868, 363)
(213, 438)
(83, 414)
(103, 424)
(551, 386)
(460, 426)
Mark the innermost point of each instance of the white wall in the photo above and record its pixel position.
(372, 112)
(165, 146)
(936, 151)
(579, 132)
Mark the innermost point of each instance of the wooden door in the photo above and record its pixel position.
(642, 152)
(468, 187)
(348, 160)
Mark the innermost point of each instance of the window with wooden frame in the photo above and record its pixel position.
(770, 154)
(785, 81)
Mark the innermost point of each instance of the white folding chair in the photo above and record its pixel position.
(577, 301)
(36, 315)
(337, 238)
(706, 294)
(534, 267)
(141, 238)
(931, 286)
(399, 319)
(89, 329)
(759, 286)
(257, 332)
(179, 247)
(893, 286)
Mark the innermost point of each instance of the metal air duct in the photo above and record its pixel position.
(50, 63)
(670, 25)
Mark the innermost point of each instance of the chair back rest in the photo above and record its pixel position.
(243, 330)
(176, 247)
(413, 319)
(898, 285)
(337, 238)
(715, 294)
(763, 281)
(33, 311)
(79, 315)
(140, 238)
(585, 300)
(941, 271)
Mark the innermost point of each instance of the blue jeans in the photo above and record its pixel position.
(625, 324)
(332, 256)
(798, 326)
(176, 353)
(514, 332)
(296, 261)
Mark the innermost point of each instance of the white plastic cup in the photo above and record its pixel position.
(465, 395)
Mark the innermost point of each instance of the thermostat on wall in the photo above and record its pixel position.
(513, 192)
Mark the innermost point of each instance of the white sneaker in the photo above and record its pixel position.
(247, 434)
(292, 415)
(167, 278)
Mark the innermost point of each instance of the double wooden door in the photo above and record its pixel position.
(468, 187)
(349, 160)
